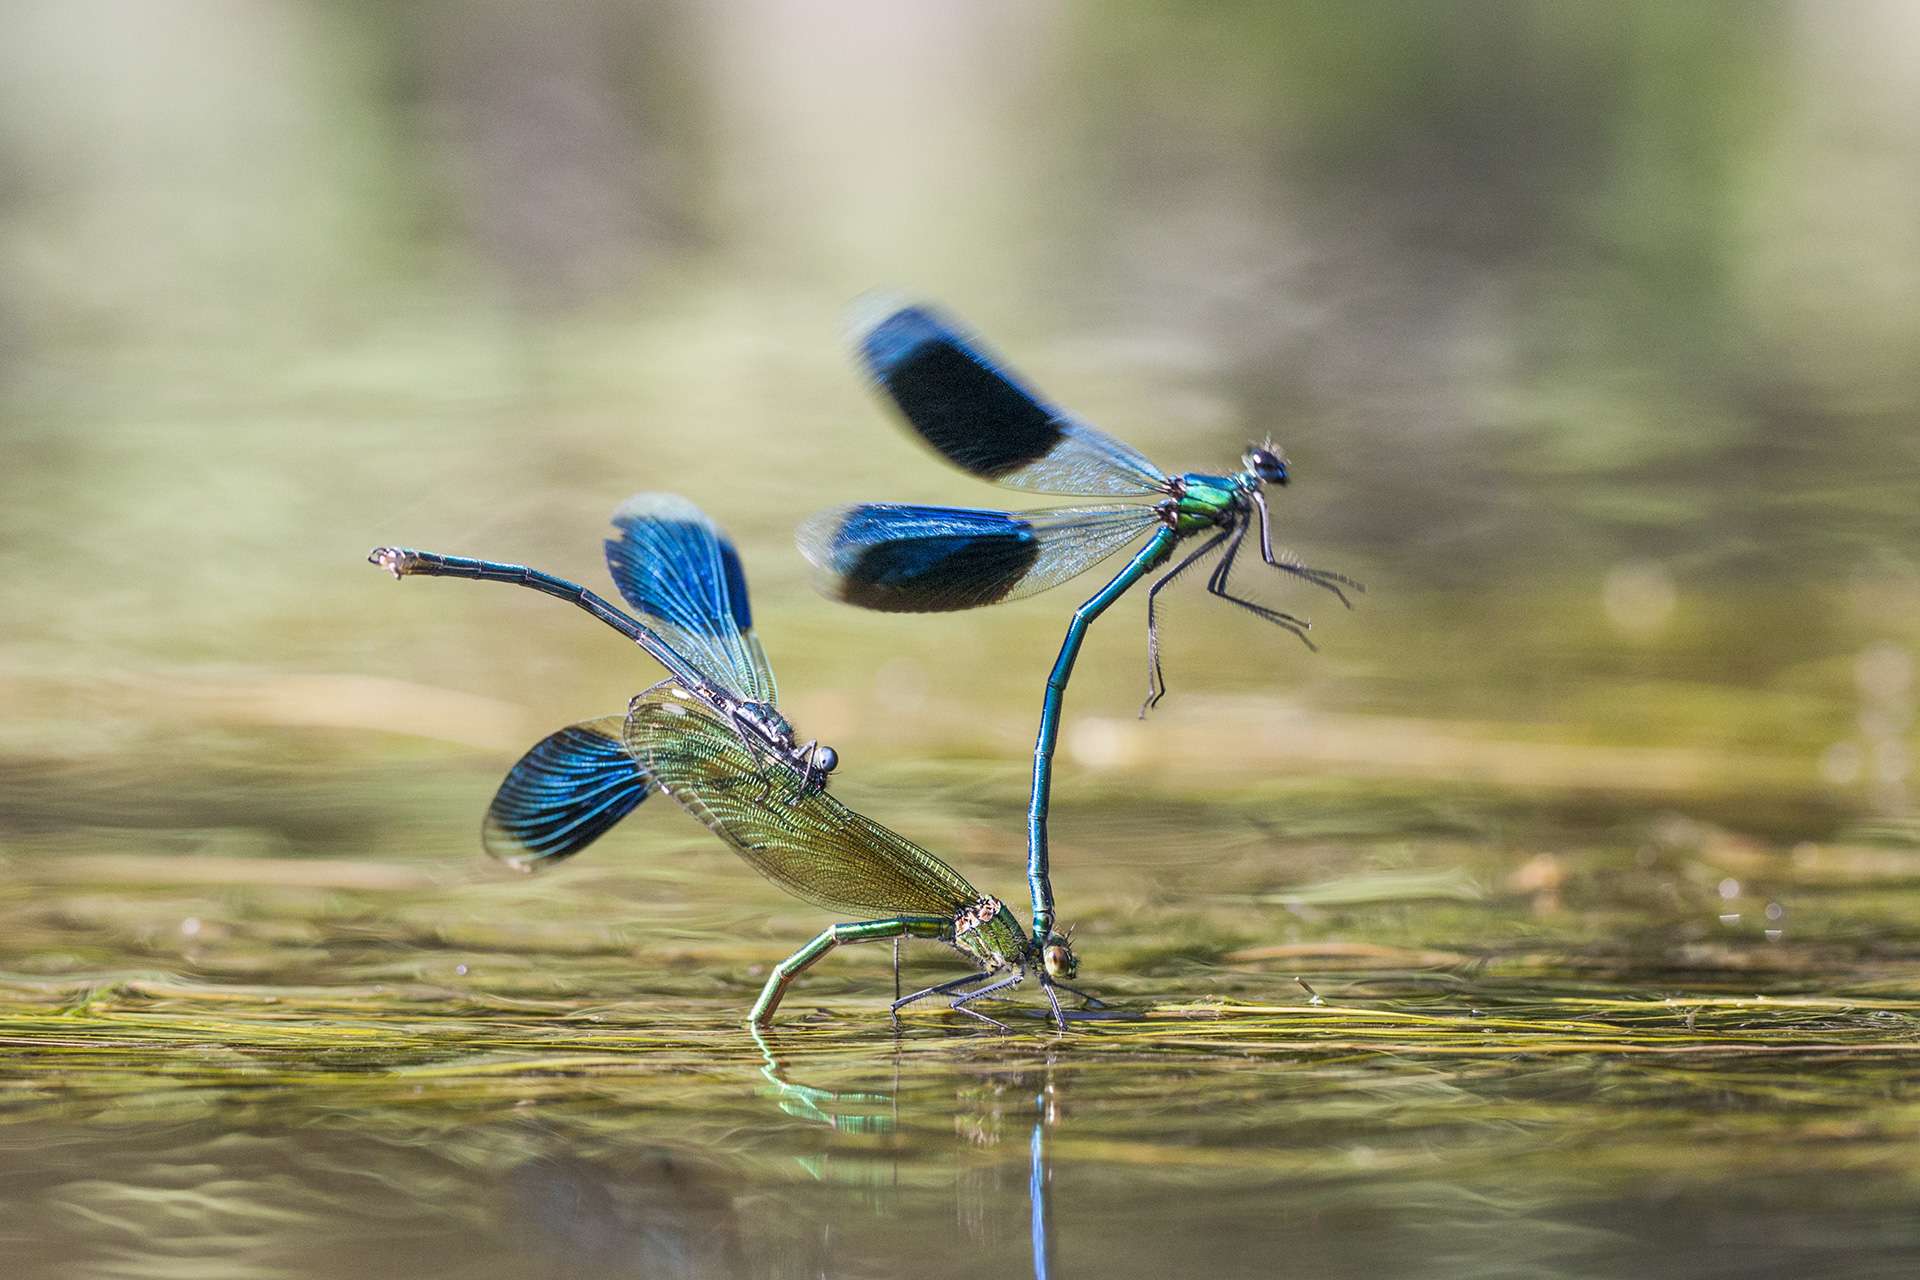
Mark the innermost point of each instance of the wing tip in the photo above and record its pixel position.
(655, 504)
(885, 328)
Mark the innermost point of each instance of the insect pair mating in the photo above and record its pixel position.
(711, 735)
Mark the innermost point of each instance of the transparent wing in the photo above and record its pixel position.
(908, 559)
(983, 418)
(563, 795)
(676, 568)
(815, 847)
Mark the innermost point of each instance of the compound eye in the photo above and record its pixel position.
(1267, 465)
(826, 758)
(1059, 961)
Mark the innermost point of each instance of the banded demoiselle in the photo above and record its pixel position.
(818, 849)
(980, 416)
(683, 576)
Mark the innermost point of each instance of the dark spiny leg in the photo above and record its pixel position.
(896, 971)
(1285, 621)
(939, 989)
(1324, 578)
(1217, 586)
(978, 1016)
(1088, 999)
(965, 998)
(1156, 679)
(961, 1002)
(1218, 577)
(1059, 1017)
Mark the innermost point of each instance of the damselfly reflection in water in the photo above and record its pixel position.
(675, 567)
(711, 737)
(979, 416)
(979, 1111)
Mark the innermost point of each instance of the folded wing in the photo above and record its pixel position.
(813, 847)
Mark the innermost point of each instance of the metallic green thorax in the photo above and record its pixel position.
(1200, 501)
(997, 941)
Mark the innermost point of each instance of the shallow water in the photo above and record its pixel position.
(1455, 1039)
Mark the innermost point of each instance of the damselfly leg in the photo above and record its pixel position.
(838, 935)
(1088, 1000)
(1156, 679)
(938, 989)
(1324, 578)
(1217, 586)
(966, 998)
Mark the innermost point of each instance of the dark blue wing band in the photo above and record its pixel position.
(957, 397)
(676, 568)
(930, 560)
(564, 794)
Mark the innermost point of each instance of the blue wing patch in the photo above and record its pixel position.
(981, 417)
(673, 565)
(564, 794)
(909, 559)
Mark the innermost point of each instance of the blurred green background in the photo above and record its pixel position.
(1591, 334)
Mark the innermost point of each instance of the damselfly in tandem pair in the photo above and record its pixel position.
(982, 418)
(818, 849)
(683, 576)
(711, 737)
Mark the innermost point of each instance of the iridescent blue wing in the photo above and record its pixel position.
(676, 568)
(906, 559)
(977, 413)
(563, 795)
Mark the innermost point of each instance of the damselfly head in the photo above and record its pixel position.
(1264, 463)
(826, 759)
(1058, 958)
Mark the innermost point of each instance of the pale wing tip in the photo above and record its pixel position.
(660, 506)
(815, 536)
(869, 311)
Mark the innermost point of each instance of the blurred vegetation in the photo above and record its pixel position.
(1590, 336)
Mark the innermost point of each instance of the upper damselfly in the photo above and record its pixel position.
(965, 403)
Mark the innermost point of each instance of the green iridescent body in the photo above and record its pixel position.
(1205, 501)
(818, 849)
